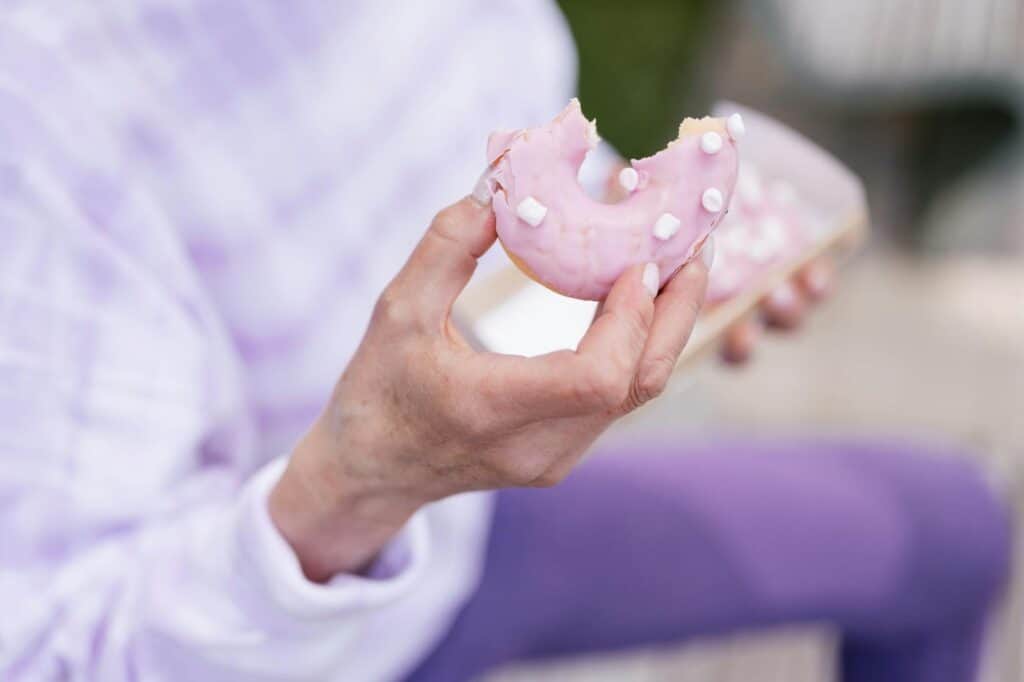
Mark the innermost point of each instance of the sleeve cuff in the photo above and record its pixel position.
(274, 568)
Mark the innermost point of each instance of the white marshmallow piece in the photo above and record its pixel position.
(711, 143)
(629, 178)
(593, 139)
(531, 211)
(666, 226)
(712, 200)
(734, 124)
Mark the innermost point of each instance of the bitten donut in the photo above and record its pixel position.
(575, 245)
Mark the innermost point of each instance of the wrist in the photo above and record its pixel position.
(335, 522)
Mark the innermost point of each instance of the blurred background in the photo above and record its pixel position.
(925, 335)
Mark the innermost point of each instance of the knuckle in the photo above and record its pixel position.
(607, 386)
(521, 474)
(652, 379)
(392, 309)
(559, 467)
(548, 479)
(446, 222)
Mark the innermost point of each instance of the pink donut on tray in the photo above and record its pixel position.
(768, 225)
(793, 201)
(578, 246)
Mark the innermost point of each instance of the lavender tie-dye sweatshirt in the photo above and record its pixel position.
(199, 200)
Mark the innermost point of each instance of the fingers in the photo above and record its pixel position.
(817, 279)
(612, 347)
(784, 307)
(788, 304)
(597, 377)
(445, 258)
(675, 312)
(740, 341)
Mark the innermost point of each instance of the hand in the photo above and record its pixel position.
(418, 415)
(784, 309)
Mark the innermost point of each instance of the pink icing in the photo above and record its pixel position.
(582, 245)
(768, 224)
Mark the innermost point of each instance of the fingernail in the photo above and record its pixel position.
(482, 191)
(783, 296)
(651, 279)
(707, 252)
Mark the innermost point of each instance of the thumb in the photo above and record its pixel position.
(442, 263)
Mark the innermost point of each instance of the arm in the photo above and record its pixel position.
(123, 557)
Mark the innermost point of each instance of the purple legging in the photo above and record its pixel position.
(902, 551)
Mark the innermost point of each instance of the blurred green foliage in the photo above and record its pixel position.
(638, 72)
